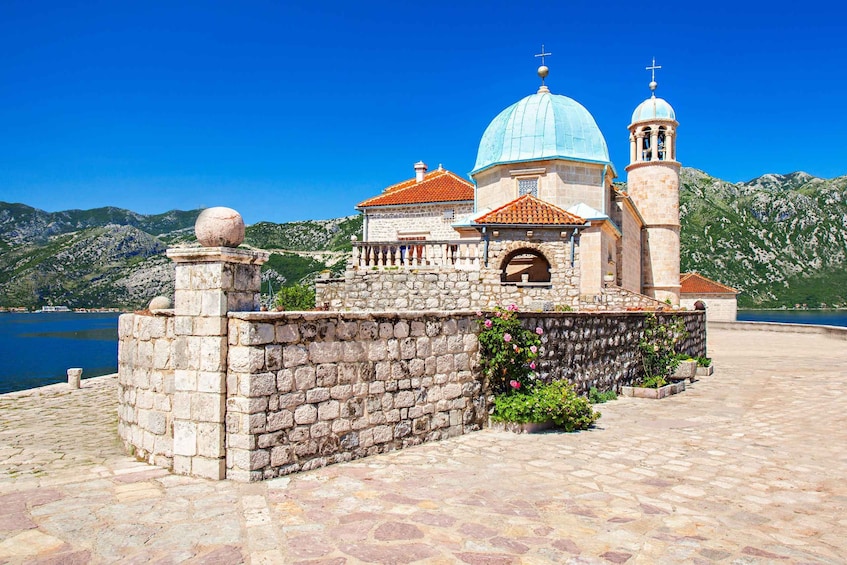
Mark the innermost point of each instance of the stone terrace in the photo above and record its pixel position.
(746, 466)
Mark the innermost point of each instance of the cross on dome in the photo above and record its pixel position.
(652, 68)
(543, 54)
(543, 71)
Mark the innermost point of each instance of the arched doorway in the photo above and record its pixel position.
(525, 264)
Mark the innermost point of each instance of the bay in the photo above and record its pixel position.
(814, 317)
(37, 349)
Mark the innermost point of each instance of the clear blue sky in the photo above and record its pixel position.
(298, 110)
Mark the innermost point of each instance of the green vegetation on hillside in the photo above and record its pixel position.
(779, 239)
(310, 235)
(294, 268)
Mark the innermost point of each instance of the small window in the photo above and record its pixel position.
(528, 186)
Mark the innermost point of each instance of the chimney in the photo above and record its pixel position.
(420, 171)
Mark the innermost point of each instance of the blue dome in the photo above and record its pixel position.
(542, 126)
(653, 108)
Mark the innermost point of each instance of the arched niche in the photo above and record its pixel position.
(525, 261)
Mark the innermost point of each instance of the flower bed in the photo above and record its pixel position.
(508, 354)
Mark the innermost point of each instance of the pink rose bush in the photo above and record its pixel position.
(507, 350)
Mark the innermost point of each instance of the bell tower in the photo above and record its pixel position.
(653, 185)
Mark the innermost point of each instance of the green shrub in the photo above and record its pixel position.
(658, 356)
(555, 402)
(656, 381)
(704, 361)
(296, 297)
(597, 397)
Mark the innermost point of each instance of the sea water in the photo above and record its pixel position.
(38, 349)
(815, 317)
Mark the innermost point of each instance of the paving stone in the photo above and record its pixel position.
(743, 467)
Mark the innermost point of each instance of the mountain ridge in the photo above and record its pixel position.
(779, 239)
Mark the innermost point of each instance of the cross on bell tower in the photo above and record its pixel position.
(652, 68)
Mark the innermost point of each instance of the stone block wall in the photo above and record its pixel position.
(304, 390)
(436, 289)
(309, 389)
(601, 349)
(146, 385)
(427, 221)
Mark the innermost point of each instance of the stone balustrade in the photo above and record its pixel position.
(379, 255)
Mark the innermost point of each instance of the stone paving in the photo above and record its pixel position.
(746, 466)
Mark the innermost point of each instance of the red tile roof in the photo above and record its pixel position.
(438, 186)
(695, 283)
(528, 209)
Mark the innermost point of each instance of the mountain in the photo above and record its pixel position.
(110, 257)
(779, 239)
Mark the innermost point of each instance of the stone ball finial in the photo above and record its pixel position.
(219, 227)
(159, 303)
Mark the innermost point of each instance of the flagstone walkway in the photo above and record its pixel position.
(746, 466)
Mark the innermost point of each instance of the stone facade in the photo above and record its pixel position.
(146, 386)
(719, 307)
(307, 390)
(422, 221)
(560, 182)
(440, 289)
(653, 187)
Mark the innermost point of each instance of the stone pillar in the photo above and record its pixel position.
(670, 154)
(209, 283)
(654, 144)
(633, 149)
(640, 154)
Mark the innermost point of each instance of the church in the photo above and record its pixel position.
(539, 224)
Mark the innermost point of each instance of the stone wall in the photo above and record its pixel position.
(601, 349)
(436, 289)
(448, 289)
(308, 389)
(424, 221)
(146, 386)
